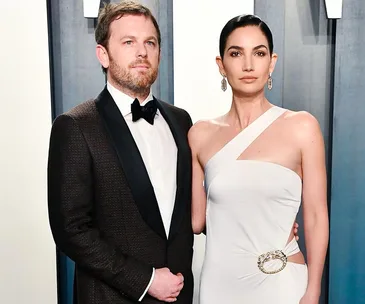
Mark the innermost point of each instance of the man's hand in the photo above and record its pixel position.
(165, 285)
(295, 231)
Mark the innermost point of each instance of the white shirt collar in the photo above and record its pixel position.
(123, 100)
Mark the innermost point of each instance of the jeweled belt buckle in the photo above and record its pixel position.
(272, 255)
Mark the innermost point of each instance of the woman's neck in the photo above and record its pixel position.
(245, 109)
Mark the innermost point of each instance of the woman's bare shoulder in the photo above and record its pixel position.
(300, 116)
(302, 123)
(203, 129)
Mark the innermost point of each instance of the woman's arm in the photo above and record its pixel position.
(198, 207)
(315, 210)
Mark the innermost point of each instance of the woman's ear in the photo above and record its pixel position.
(274, 58)
(219, 62)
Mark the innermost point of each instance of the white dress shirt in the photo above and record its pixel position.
(159, 153)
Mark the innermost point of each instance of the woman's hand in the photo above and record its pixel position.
(310, 298)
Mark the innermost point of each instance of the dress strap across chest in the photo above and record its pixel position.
(234, 148)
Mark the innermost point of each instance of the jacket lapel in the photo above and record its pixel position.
(183, 171)
(131, 162)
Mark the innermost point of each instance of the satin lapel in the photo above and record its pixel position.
(182, 175)
(131, 162)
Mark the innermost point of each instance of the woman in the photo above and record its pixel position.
(257, 163)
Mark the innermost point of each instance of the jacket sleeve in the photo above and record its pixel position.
(70, 205)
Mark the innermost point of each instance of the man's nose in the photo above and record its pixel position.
(141, 50)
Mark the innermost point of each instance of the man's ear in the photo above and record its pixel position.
(102, 55)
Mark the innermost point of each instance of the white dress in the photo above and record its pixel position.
(251, 209)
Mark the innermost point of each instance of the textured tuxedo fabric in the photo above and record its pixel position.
(102, 208)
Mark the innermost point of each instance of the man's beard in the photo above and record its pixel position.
(138, 84)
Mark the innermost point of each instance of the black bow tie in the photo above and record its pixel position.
(147, 111)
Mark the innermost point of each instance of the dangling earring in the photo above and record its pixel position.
(224, 84)
(269, 82)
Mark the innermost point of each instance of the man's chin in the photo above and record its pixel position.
(141, 86)
(146, 82)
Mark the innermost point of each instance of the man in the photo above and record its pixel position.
(120, 175)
